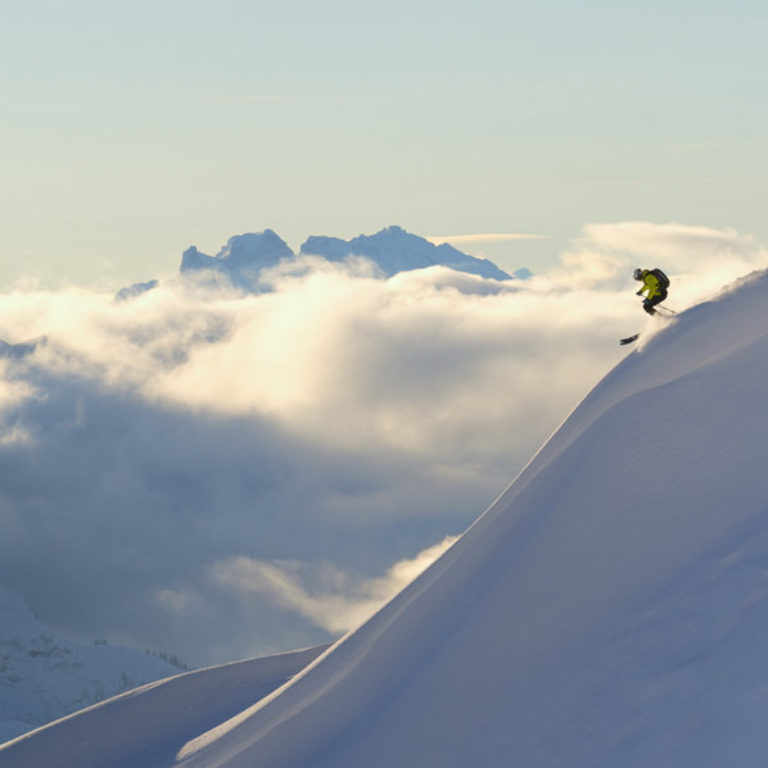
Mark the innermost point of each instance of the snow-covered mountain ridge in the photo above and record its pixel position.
(609, 609)
(241, 260)
(392, 250)
(44, 677)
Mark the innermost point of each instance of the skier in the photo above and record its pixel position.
(656, 283)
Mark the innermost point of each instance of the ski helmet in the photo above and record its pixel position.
(638, 274)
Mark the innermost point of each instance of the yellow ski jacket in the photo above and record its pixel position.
(650, 284)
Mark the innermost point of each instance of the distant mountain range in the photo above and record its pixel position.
(392, 250)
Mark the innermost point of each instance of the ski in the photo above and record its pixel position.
(629, 339)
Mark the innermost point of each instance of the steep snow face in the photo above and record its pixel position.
(610, 609)
(394, 250)
(43, 676)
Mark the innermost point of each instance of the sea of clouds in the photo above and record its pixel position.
(219, 475)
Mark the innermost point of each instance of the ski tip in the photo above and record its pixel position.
(629, 339)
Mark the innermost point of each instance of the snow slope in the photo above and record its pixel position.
(145, 727)
(609, 609)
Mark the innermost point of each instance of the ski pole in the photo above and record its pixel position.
(666, 309)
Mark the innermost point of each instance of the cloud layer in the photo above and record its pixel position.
(328, 597)
(217, 475)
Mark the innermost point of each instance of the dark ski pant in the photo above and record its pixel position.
(649, 304)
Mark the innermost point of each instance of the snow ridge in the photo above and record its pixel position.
(146, 726)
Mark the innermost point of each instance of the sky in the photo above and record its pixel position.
(130, 131)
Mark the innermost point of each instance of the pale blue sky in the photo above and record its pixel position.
(132, 130)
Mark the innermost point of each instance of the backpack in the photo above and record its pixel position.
(661, 277)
